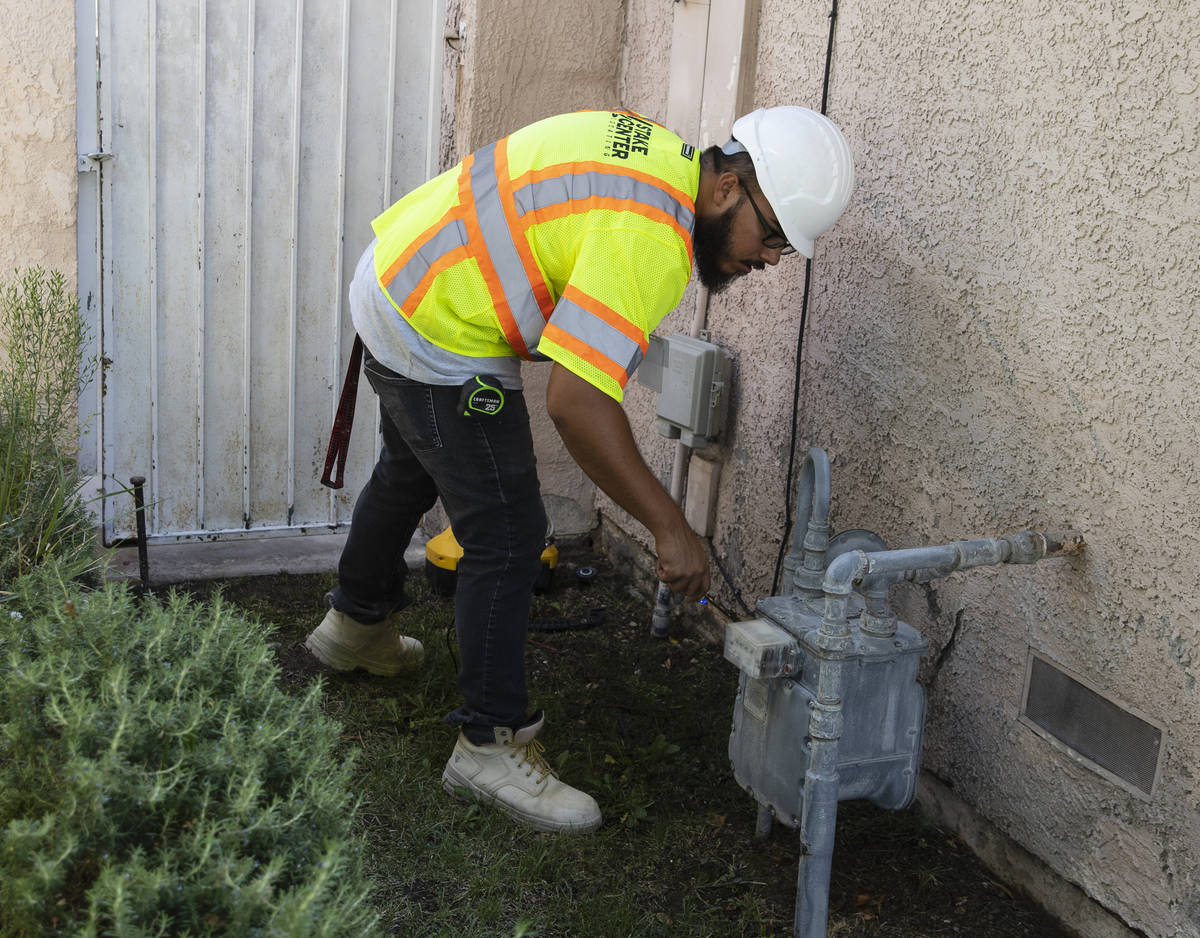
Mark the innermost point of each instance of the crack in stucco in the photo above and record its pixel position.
(944, 654)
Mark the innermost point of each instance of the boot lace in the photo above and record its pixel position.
(533, 755)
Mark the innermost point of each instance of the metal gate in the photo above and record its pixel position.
(233, 153)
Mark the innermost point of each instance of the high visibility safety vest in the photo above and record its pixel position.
(570, 240)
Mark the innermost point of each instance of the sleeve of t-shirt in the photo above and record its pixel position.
(622, 284)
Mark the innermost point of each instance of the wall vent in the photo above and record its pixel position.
(1106, 735)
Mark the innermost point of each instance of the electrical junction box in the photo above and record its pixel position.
(691, 377)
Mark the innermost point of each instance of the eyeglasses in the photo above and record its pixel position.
(775, 240)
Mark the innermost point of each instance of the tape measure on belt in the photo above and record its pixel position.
(482, 396)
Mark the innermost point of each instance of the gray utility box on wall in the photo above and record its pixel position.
(879, 753)
(691, 377)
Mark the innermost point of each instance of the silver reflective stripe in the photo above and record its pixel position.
(593, 331)
(578, 186)
(450, 236)
(498, 241)
(394, 342)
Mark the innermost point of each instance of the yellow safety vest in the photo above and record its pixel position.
(570, 239)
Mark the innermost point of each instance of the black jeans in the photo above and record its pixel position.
(483, 469)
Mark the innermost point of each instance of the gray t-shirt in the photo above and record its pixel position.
(398, 346)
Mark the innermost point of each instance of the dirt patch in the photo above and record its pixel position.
(642, 724)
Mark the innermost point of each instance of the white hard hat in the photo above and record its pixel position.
(804, 168)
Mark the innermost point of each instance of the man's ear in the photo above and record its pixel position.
(726, 191)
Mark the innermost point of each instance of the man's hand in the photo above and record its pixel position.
(683, 562)
(596, 433)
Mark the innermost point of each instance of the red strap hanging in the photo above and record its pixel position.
(339, 439)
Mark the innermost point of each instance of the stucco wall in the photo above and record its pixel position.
(1002, 335)
(523, 60)
(37, 136)
(646, 56)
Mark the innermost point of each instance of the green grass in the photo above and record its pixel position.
(638, 723)
(642, 725)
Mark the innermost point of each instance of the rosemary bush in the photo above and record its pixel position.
(41, 513)
(155, 781)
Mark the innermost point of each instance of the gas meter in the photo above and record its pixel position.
(828, 707)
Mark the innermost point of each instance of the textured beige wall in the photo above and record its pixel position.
(1001, 335)
(37, 136)
(646, 57)
(523, 60)
(645, 87)
(529, 59)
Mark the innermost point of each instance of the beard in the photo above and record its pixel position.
(710, 242)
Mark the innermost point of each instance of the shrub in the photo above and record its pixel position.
(41, 514)
(47, 519)
(155, 781)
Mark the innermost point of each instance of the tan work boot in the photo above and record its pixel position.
(344, 644)
(513, 775)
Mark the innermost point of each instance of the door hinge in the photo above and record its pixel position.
(90, 162)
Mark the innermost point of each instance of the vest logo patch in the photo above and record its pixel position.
(688, 151)
(628, 134)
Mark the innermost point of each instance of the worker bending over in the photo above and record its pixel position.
(567, 241)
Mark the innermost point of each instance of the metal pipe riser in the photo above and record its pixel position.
(931, 562)
(810, 536)
(817, 828)
(813, 495)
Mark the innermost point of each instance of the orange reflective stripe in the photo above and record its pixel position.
(504, 187)
(607, 314)
(410, 303)
(483, 259)
(586, 352)
(419, 242)
(537, 216)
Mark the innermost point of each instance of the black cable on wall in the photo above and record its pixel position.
(787, 487)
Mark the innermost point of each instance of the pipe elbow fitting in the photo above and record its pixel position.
(841, 575)
(1026, 547)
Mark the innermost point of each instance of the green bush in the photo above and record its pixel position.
(49, 520)
(155, 781)
(41, 514)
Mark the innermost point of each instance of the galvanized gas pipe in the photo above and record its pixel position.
(834, 640)
(804, 565)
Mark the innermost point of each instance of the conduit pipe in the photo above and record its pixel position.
(660, 620)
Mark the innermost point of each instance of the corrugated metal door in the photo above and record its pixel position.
(246, 146)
